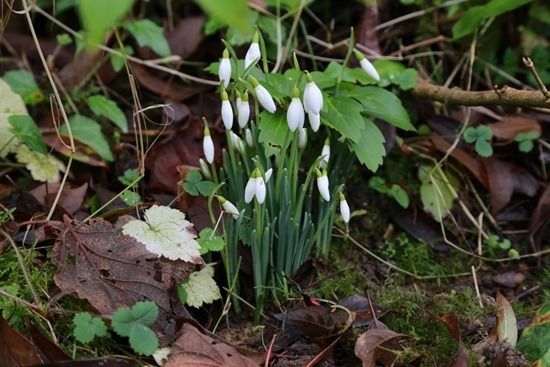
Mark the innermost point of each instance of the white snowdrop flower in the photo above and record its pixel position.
(367, 66)
(228, 207)
(295, 113)
(243, 110)
(325, 152)
(314, 121)
(248, 137)
(313, 98)
(236, 142)
(224, 71)
(260, 190)
(344, 209)
(227, 111)
(263, 96)
(204, 169)
(323, 185)
(253, 52)
(302, 138)
(255, 187)
(268, 174)
(208, 144)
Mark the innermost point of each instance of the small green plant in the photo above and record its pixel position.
(481, 138)
(87, 327)
(394, 191)
(495, 244)
(525, 140)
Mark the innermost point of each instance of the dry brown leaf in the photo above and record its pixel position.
(507, 329)
(169, 89)
(186, 36)
(371, 347)
(539, 226)
(70, 200)
(15, 349)
(510, 126)
(195, 349)
(460, 358)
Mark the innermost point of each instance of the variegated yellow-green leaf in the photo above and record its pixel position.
(200, 288)
(43, 167)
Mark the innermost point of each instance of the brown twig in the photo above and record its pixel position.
(505, 96)
(531, 66)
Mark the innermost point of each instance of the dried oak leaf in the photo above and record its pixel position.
(195, 349)
(111, 270)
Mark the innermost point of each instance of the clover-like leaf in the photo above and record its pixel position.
(166, 232)
(133, 324)
(87, 328)
(130, 177)
(483, 148)
(130, 198)
(210, 241)
(194, 185)
(200, 288)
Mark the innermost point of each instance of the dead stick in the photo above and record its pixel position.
(531, 66)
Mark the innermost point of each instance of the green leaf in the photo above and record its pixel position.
(194, 185)
(210, 241)
(379, 184)
(370, 148)
(43, 167)
(513, 254)
(201, 287)
(103, 106)
(22, 82)
(483, 148)
(64, 39)
(25, 129)
(484, 132)
(86, 328)
(193, 176)
(98, 16)
(505, 244)
(143, 340)
(130, 176)
(526, 146)
(383, 104)
(148, 34)
(145, 313)
(89, 132)
(344, 115)
(470, 135)
(273, 128)
(400, 195)
(435, 194)
(130, 198)
(406, 80)
(476, 15)
(527, 135)
(206, 188)
(534, 342)
(234, 13)
(117, 61)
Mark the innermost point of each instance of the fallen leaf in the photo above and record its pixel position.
(47, 348)
(186, 36)
(371, 347)
(164, 88)
(80, 68)
(43, 167)
(540, 220)
(200, 287)
(510, 126)
(507, 330)
(111, 270)
(71, 199)
(362, 309)
(195, 349)
(461, 356)
(15, 349)
(509, 279)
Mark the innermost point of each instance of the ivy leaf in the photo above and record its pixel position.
(22, 82)
(344, 116)
(149, 34)
(400, 195)
(87, 328)
(210, 241)
(43, 167)
(200, 288)
(133, 324)
(24, 128)
(103, 106)
(483, 148)
(370, 148)
(89, 132)
(98, 16)
(166, 232)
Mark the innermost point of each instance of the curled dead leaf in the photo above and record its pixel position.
(373, 347)
(460, 358)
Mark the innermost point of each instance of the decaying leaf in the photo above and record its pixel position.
(460, 358)
(71, 199)
(507, 329)
(510, 126)
(15, 349)
(200, 287)
(194, 349)
(364, 312)
(111, 270)
(371, 347)
(43, 167)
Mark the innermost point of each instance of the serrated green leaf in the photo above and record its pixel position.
(527, 135)
(344, 115)
(526, 146)
(143, 340)
(143, 313)
(89, 132)
(25, 129)
(129, 177)
(273, 128)
(400, 196)
(484, 132)
(86, 328)
(22, 82)
(384, 105)
(483, 148)
(201, 287)
(234, 13)
(103, 106)
(210, 241)
(98, 16)
(149, 34)
(130, 198)
(370, 148)
(470, 135)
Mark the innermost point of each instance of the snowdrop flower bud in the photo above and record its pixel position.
(268, 174)
(228, 207)
(322, 184)
(243, 110)
(325, 152)
(367, 66)
(314, 120)
(302, 138)
(295, 113)
(227, 111)
(204, 169)
(248, 137)
(260, 189)
(208, 144)
(236, 142)
(344, 208)
(263, 96)
(224, 71)
(313, 98)
(253, 52)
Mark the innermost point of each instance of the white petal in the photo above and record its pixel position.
(314, 120)
(227, 114)
(313, 98)
(250, 190)
(302, 138)
(369, 69)
(322, 185)
(224, 72)
(252, 54)
(231, 209)
(204, 169)
(295, 114)
(265, 99)
(243, 112)
(248, 137)
(208, 148)
(344, 210)
(325, 153)
(268, 174)
(260, 190)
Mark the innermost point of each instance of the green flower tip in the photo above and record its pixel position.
(224, 95)
(221, 199)
(327, 141)
(256, 37)
(296, 92)
(245, 96)
(225, 54)
(342, 197)
(237, 94)
(253, 81)
(308, 77)
(206, 129)
(318, 173)
(256, 173)
(358, 54)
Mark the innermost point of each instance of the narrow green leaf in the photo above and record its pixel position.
(26, 130)
(89, 132)
(98, 16)
(149, 34)
(103, 106)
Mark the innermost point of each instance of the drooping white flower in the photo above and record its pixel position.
(263, 96)
(204, 169)
(295, 113)
(228, 207)
(268, 174)
(208, 144)
(243, 110)
(367, 66)
(253, 52)
(260, 190)
(227, 111)
(325, 152)
(323, 184)
(250, 190)
(314, 120)
(313, 98)
(255, 187)
(344, 209)
(236, 142)
(224, 71)
(302, 138)
(248, 137)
